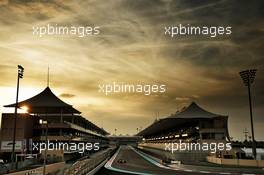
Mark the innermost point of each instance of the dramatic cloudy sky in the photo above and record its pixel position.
(132, 48)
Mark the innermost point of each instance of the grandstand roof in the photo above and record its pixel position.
(192, 113)
(45, 102)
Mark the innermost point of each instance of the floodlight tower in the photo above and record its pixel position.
(19, 75)
(248, 77)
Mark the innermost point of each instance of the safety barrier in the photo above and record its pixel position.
(85, 166)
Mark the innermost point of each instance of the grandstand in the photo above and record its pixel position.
(191, 124)
(63, 124)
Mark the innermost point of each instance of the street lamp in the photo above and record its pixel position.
(19, 75)
(42, 122)
(248, 77)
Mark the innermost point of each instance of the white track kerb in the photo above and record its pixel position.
(108, 165)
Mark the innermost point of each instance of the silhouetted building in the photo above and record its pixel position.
(191, 126)
(24, 131)
(65, 124)
(192, 123)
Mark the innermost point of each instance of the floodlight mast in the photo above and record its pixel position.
(248, 77)
(19, 75)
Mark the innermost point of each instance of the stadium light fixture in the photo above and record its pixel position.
(19, 75)
(248, 77)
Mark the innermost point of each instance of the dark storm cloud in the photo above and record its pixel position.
(241, 50)
(219, 59)
(219, 55)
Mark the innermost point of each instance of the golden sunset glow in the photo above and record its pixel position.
(132, 48)
(24, 109)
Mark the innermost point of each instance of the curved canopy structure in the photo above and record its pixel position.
(194, 111)
(187, 116)
(46, 102)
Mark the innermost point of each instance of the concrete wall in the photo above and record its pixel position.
(237, 162)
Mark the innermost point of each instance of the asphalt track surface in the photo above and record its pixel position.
(139, 163)
(135, 163)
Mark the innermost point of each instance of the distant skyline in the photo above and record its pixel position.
(132, 48)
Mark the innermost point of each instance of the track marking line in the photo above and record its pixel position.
(108, 166)
(111, 160)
